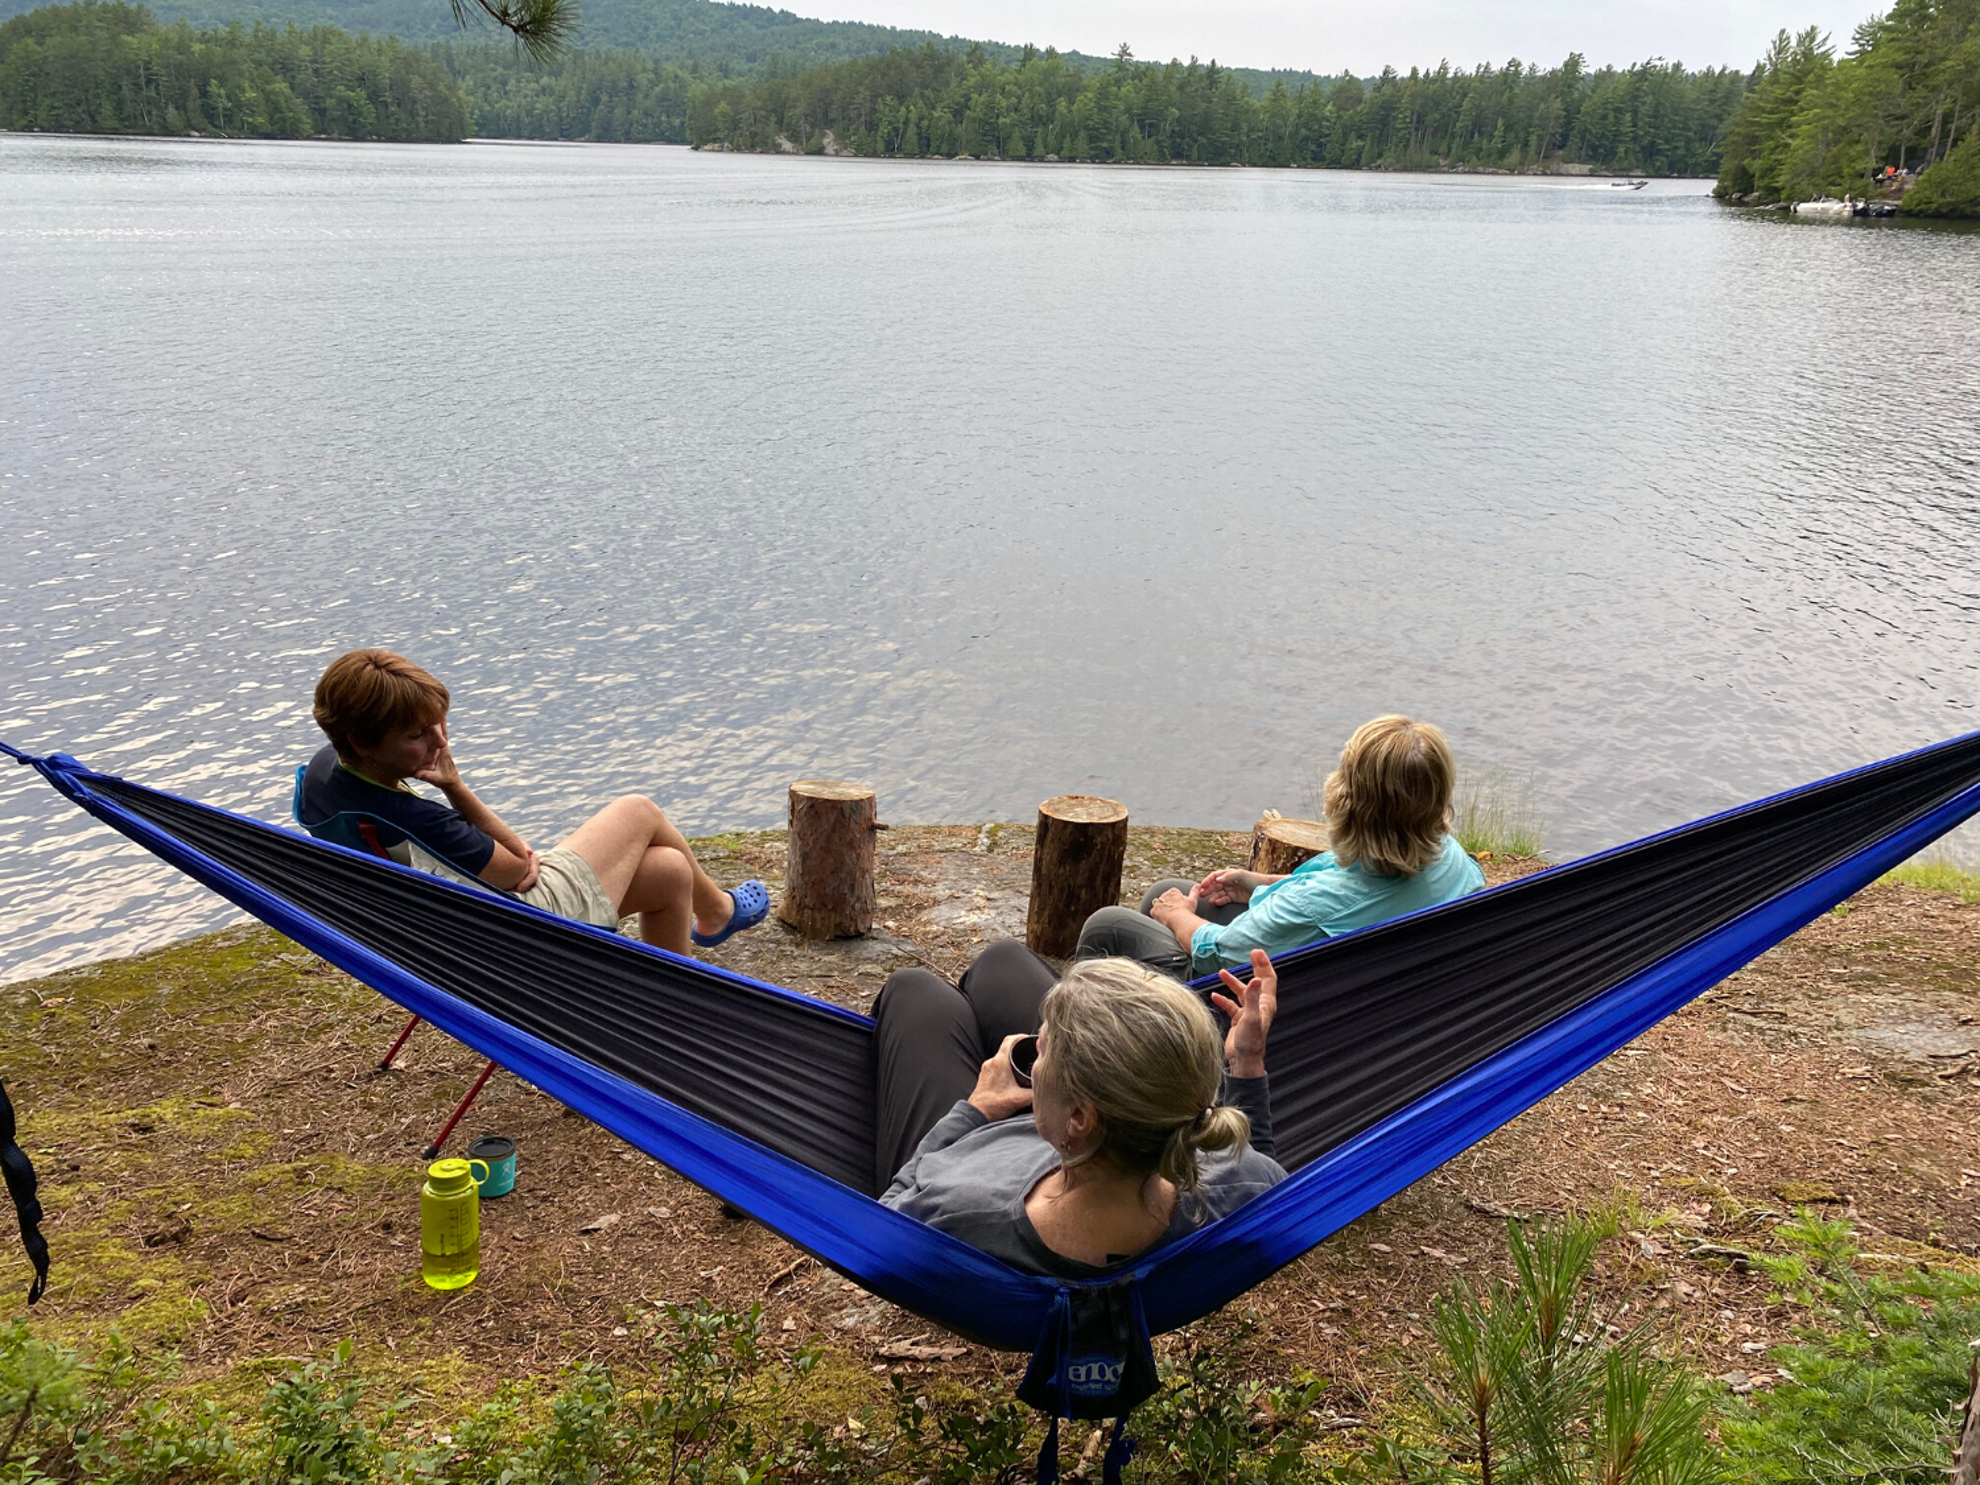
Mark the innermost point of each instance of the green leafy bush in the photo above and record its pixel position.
(1531, 1385)
(1877, 1381)
(1212, 1423)
(1950, 188)
(65, 1419)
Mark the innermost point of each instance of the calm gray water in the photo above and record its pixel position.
(699, 474)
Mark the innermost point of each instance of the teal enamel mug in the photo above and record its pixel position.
(498, 1153)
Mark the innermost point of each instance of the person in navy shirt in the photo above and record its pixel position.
(386, 719)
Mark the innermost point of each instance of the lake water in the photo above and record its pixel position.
(697, 474)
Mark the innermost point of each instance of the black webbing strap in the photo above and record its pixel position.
(20, 1186)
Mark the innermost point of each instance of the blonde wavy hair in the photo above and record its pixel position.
(1146, 1053)
(1389, 802)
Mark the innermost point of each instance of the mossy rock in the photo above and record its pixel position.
(1807, 1193)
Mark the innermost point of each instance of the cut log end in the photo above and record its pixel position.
(1279, 846)
(1084, 809)
(830, 789)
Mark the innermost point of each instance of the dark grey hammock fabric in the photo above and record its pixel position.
(1367, 1023)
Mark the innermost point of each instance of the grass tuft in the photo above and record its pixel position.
(1497, 815)
(1936, 873)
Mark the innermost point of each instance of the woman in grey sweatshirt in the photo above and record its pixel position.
(1137, 1123)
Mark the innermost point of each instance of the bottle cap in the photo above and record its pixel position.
(450, 1175)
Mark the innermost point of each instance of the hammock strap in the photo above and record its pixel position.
(20, 1186)
(1093, 1360)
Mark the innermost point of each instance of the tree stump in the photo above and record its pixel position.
(1278, 845)
(1075, 869)
(828, 873)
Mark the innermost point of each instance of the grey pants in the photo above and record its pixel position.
(931, 1038)
(1132, 934)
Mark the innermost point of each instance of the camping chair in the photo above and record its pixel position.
(362, 835)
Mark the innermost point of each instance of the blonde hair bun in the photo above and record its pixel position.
(1146, 1053)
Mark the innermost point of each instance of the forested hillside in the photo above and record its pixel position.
(705, 36)
(1907, 95)
(1655, 117)
(732, 38)
(110, 68)
(614, 96)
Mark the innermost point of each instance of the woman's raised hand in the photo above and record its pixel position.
(998, 1093)
(1251, 1013)
(1222, 887)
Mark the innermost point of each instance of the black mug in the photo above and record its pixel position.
(1024, 1056)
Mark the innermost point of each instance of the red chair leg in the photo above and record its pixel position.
(385, 1062)
(432, 1151)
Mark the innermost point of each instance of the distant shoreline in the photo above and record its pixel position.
(1555, 173)
(722, 149)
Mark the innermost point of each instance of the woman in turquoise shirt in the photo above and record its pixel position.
(1388, 810)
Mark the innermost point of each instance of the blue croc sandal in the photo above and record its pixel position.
(752, 900)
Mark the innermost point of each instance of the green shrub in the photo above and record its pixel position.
(690, 1422)
(1528, 1386)
(1527, 1389)
(314, 1434)
(63, 1419)
(1211, 1423)
(1876, 1382)
(1951, 188)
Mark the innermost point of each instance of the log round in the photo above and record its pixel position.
(828, 872)
(1279, 845)
(1076, 862)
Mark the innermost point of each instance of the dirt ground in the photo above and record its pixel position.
(228, 1174)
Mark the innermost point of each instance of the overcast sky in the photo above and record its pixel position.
(1364, 35)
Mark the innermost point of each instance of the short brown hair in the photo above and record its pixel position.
(368, 693)
(1389, 802)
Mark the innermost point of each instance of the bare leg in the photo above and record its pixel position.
(617, 842)
(660, 895)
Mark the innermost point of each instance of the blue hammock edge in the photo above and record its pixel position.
(908, 1263)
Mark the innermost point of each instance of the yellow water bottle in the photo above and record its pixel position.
(450, 1224)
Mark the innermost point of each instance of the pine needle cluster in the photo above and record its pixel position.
(541, 27)
(1536, 1388)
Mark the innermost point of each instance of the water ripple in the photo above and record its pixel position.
(696, 474)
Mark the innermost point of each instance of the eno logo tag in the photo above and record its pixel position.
(1095, 1376)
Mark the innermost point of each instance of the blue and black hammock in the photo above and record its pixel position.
(1395, 1047)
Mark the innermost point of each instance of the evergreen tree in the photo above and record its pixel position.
(1655, 116)
(110, 68)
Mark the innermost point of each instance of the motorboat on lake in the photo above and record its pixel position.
(1849, 206)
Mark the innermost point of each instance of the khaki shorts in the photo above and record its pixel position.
(567, 886)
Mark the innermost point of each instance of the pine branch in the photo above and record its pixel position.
(540, 27)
